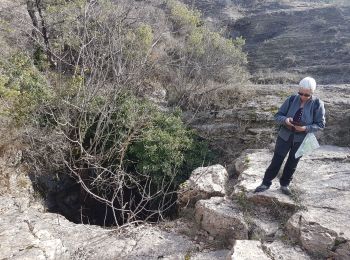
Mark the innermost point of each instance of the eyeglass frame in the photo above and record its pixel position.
(304, 95)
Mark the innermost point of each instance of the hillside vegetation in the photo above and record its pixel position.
(79, 81)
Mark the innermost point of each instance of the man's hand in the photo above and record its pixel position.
(288, 121)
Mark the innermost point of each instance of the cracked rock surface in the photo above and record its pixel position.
(28, 233)
(321, 200)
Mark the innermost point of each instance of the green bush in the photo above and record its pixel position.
(203, 59)
(162, 149)
(140, 138)
(22, 86)
(183, 17)
(138, 42)
(131, 151)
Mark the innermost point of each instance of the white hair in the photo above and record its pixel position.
(308, 83)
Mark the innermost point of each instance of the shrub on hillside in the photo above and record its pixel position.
(205, 60)
(22, 87)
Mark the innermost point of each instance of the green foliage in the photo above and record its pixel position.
(167, 150)
(40, 59)
(148, 142)
(182, 16)
(107, 53)
(21, 85)
(204, 58)
(139, 41)
(221, 56)
(201, 40)
(160, 152)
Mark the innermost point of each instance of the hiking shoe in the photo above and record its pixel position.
(285, 190)
(261, 188)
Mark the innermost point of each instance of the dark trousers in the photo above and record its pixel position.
(281, 149)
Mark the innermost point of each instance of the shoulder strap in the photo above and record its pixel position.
(291, 99)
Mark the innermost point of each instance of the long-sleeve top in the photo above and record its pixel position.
(313, 117)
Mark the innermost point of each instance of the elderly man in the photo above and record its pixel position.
(300, 114)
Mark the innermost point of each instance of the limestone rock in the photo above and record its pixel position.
(221, 218)
(253, 249)
(255, 163)
(28, 233)
(267, 99)
(203, 183)
(321, 198)
(217, 129)
(278, 250)
(247, 250)
(343, 251)
(262, 228)
(13, 176)
(313, 237)
(242, 162)
(217, 255)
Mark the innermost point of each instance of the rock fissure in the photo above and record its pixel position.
(30, 228)
(37, 245)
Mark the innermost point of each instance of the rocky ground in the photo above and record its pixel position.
(311, 224)
(218, 221)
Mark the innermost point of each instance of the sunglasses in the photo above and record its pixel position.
(303, 94)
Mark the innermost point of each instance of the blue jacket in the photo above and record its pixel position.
(313, 117)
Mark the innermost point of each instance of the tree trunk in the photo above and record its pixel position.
(31, 11)
(33, 7)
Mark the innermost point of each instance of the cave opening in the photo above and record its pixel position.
(71, 200)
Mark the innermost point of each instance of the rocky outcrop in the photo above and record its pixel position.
(267, 225)
(246, 250)
(221, 218)
(279, 250)
(27, 232)
(319, 208)
(253, 249)
(204, 182)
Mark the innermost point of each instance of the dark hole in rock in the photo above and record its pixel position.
(66, 196)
